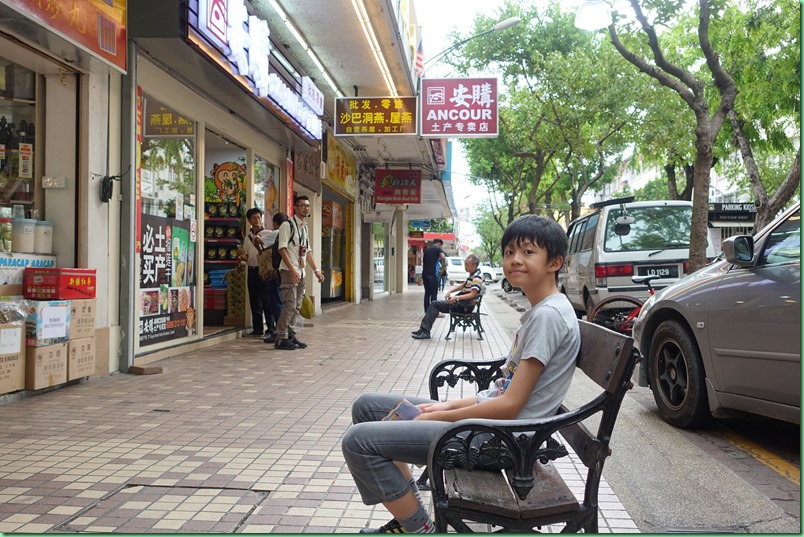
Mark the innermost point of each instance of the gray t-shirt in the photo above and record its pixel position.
(549, 333)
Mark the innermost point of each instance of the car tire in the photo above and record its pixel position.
(506, 285)
(487, 276)
(589, 305)
(677, 377)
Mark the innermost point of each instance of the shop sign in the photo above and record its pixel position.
(397, 186)
(312, 95)
(459, 107)
(307, 170)
(332, 214)
(732, 212)
(371, 116)
(167, 265)
(240, 43)
(97, 26)
(341, 167)
(164, 122)
(438, 152)
(415, 234)
(420, 224)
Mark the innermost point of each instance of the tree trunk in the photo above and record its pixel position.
(699, 230)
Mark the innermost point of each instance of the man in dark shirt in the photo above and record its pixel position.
(429, 276)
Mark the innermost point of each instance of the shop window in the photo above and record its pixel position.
(17, 132)
(166, 225)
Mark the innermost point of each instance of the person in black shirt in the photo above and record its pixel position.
(429, 277)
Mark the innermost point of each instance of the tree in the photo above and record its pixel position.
(487, 225)
(692, 77)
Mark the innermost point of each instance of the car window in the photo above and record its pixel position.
(575, 235)
(784, 243)
(658, 227)
(588, 239)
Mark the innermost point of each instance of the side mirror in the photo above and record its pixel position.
(739, 250)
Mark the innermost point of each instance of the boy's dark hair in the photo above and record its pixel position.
(280, 217)
(541, 231)
(251, 212)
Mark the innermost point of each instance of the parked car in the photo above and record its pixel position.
(620, 239)
(456, 272)
(493, 274)
(728, 337)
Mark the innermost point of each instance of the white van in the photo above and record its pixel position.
(620, 239)
(456, 272)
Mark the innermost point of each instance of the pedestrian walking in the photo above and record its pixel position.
(432, 255)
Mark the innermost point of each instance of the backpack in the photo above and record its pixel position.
(276, 259)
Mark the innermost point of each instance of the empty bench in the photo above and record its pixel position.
(521, 489)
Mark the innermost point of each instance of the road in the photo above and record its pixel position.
(739, 475)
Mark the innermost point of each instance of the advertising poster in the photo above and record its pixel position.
(166, 308)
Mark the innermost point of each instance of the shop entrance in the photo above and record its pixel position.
(224, 229)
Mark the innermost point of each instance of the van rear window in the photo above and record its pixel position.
(648, 228)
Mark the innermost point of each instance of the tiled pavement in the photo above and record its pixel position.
(238, 437)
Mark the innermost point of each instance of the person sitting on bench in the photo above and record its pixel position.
(461, 298)
(537, 376)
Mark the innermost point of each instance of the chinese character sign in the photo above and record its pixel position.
(398, 186)
(369, 116)
(459, 107)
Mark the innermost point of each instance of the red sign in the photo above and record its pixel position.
(97, 26)
(370, 116)
(459, 107)
(398, 186)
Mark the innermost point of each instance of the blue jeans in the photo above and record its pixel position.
(370, 446)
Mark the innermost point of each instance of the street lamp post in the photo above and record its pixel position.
(499, 27)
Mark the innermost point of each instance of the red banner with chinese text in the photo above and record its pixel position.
(398, 186)
(98, 26)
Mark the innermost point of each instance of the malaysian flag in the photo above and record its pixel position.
(420, 60)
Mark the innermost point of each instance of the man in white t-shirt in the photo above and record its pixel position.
(294, 248)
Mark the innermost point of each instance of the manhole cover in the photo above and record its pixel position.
(150, 509)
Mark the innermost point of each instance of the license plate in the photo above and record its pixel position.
(663, 271)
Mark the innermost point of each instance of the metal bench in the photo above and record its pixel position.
(464, 320)
(529, 492)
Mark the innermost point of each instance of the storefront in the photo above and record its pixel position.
(59, 167)
(210, 143)
(340, 240)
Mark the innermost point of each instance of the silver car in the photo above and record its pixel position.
(728, 337)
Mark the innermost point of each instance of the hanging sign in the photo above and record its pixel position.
(398, 186)
(459, 107)
(97, 26)
(371, 116)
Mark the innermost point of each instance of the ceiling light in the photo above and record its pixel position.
(368, 31)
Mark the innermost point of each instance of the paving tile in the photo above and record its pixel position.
(254, 447)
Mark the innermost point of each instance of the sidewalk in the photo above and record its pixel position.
(239, 437)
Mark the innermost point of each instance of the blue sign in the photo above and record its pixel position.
(420, 224)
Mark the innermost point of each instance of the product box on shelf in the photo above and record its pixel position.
(82, 318)
(45, 366)
(12, 357)
(58, 283)
(81, 358)
(48, 322)
(12, 268)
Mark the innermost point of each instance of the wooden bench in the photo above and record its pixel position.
(529, 493)
(460, 319)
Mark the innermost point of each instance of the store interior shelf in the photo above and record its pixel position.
(220, 240)
(218, 219)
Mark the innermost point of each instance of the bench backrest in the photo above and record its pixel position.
(603, 355)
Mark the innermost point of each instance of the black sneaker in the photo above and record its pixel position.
(285, 345)
(299, 344)
(255, 333)
(270, 338)
(391, 527)
(418, 331)
(422, 335)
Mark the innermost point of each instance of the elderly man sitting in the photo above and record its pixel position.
(461, 298)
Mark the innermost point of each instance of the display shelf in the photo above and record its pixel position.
(215, 240)
(15, 202)
(15, 100)
(222, 219)
(231, 261)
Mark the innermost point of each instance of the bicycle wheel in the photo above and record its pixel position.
(615, 313)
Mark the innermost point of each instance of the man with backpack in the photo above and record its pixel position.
(293, 246)
(263, 285)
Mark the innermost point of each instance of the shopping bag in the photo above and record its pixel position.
(307, 310)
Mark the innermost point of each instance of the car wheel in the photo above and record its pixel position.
(487, 276)
(589, 305)
(677, 377)
(506, 285)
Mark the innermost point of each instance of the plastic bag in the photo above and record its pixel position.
(307, 310)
